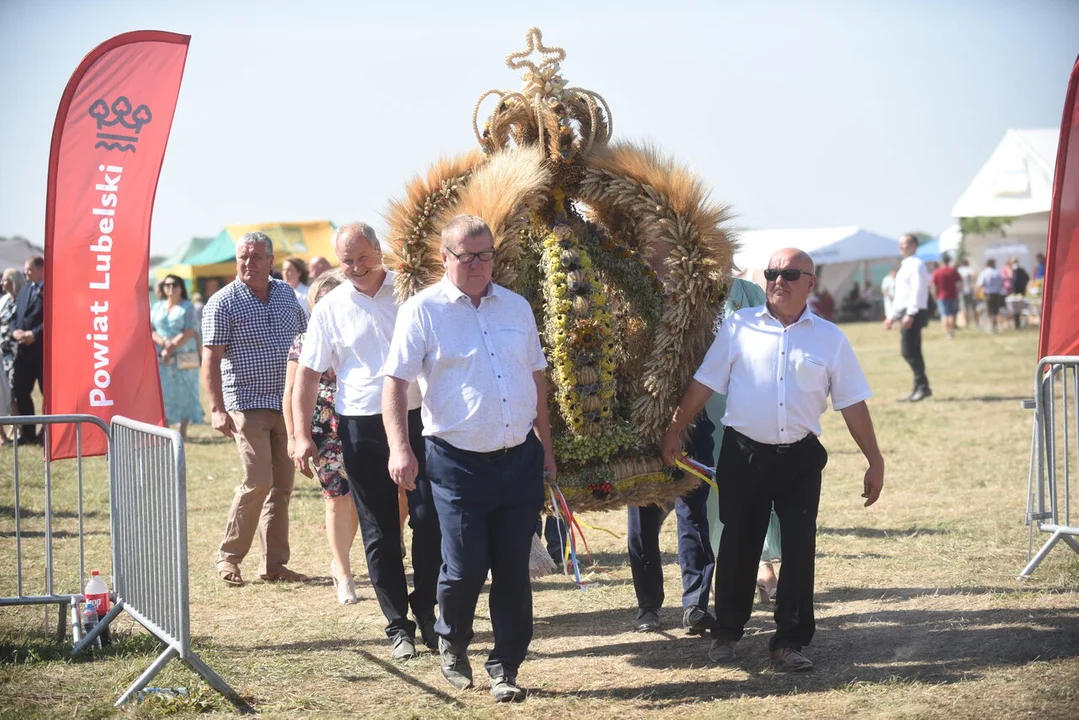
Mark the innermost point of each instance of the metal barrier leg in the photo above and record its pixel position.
(192, 660)
(148, 675)
(61, 623)
(89, 638)
(1037, 559)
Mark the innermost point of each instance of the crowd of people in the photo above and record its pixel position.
(434, 412)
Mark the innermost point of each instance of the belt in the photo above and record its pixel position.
(768, 447)
(491, 455)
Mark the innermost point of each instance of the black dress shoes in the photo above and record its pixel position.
(647, 621)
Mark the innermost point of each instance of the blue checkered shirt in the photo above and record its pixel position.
(257, 337)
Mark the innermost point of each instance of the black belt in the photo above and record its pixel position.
(767, 447)
(501, 452)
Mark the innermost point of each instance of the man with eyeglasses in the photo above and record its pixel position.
(475, 350)
(350, 331)
(778, 364)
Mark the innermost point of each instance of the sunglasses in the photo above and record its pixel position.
(788, 274)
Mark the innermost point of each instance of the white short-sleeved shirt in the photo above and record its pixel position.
(351, 333)
(474, 364)
(778, 379)
(911, 288)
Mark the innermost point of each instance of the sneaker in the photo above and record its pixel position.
(790, 659)
(505, 689)
(403, 648)
(455, 668)
(696, 621)
(722, 651)
(647, 621)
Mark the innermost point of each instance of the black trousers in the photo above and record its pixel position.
(28, 370)
(366, 455)
(910, 346)
(695, 556)
(751, 477)
(488, 504)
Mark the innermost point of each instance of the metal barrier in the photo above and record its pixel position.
(148, 509)
(50, 595)
(1054, 457)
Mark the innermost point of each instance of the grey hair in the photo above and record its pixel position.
(464, 226)
(359, 228)
(257, 237)
(17, 279)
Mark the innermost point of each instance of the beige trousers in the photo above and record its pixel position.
(261, 502)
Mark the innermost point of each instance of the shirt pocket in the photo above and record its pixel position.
(811, 373)
(512, 344)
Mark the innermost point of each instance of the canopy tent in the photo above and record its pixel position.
(15, 251)
(1016, 182)
(839, 252)
(216, 257)
(947, 242)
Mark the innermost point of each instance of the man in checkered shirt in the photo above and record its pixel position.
(247, 328)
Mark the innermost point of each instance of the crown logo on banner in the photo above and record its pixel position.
(119, 113)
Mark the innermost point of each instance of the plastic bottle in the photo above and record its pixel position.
(97, 592)
(89, 619)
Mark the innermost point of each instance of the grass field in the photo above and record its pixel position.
(919, 611)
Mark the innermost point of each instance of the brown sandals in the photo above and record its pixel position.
(230, 573)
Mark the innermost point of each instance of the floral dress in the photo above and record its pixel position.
(8, 346)
(330, 465)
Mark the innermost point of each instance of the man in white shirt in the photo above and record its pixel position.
(910, 308)
(778, 364)
(474, 348)
(350, 331)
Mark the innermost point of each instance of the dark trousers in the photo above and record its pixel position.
(751, 478)
(488, 504)
(28, 370)
(910, 346)
(366, 455)
(556, 535)
(695, 556)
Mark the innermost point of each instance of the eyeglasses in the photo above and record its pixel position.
(468, 257)
(788, 274)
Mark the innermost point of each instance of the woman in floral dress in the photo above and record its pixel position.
(175, 334)
(341, 520)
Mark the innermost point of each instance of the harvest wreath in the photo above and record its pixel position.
(620, 252)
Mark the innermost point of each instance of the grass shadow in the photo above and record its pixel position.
(866, 532)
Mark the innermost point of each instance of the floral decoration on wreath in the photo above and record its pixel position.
(622, 255)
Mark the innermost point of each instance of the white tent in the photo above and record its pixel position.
(1016, 182)
(15, 251)
(839, 253)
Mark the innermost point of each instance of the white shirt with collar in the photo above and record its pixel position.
(474, 364)
(350, 332)
(911, 288)
(778, 379)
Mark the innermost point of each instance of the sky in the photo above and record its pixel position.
(796, 114)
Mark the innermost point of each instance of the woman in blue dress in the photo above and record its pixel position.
(175, 333)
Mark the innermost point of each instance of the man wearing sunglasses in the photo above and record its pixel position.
(910, 309)
(778, 365)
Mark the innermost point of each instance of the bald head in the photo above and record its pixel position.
(792, 258)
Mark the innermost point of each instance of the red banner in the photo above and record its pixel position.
(107, 147)
(1060, 322)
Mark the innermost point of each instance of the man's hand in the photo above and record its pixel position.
(671, 448)
(404, 467)
(873, 484)
(221, 421)
(25, 337)
(550, 469)
(304, 453)
(888, 322)
(908, 322)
